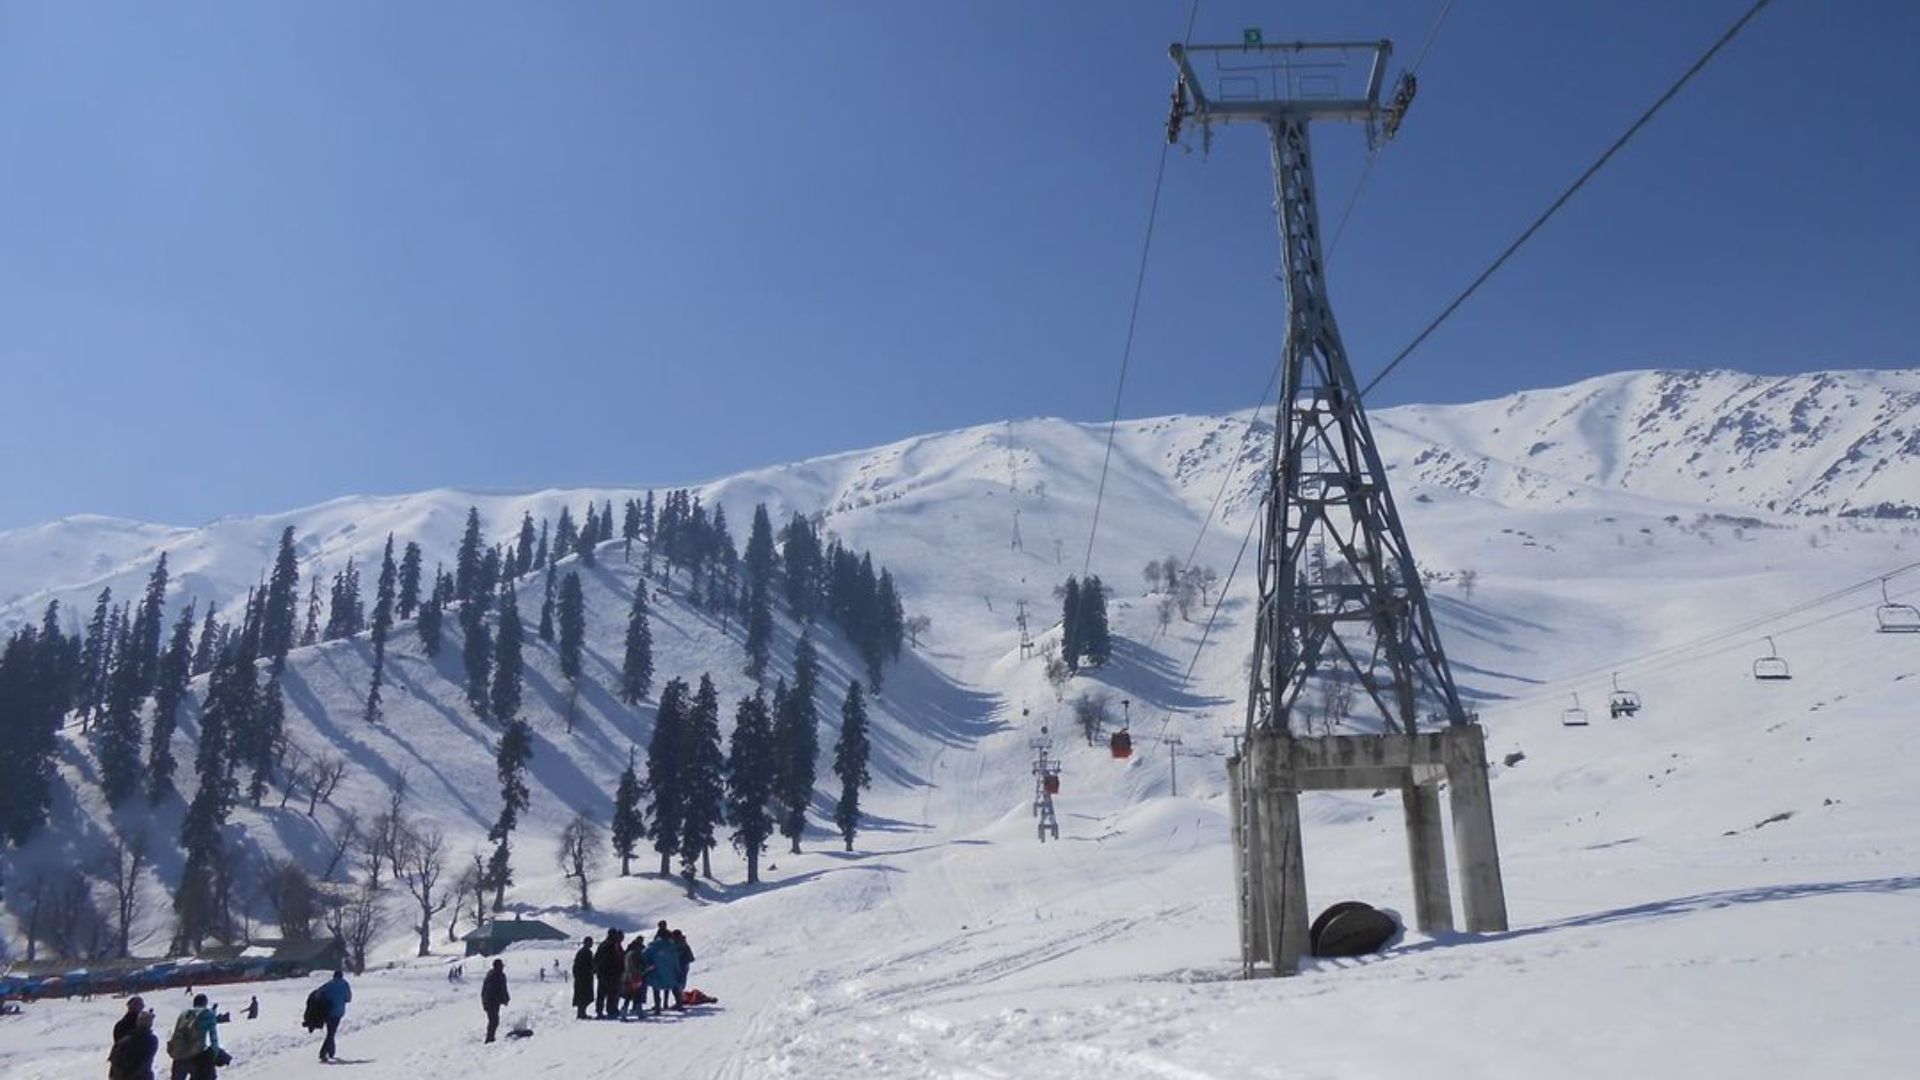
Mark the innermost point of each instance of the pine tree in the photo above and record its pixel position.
(751, 773)
(283, 602)
(32, 707)
(476, 652)
(1096, 640)
(309, 636)
(170, 689)
(663, 771)
(850, 753)
(382, 623)
(546, 609)
(510, 763)
(507, 662)
(432, 612)
(629, 825)
(893, 618)
(589, 536)
(95, 654)
(565, 536)
(195, 903)
(573, 625)
(523, 558)
(466, 566)
(636, 670)
(269, 724)
(1070, 627)
(145, 633)
(208, 647)
(409, 581)
(116, 739)
(488, 580)
(704, 778)
(540, 559)
(629, 527)
(759, 627)
(345, 615)
(796, 741)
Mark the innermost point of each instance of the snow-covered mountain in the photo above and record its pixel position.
(1717, 887)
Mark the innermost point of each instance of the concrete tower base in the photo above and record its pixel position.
(1275, 767)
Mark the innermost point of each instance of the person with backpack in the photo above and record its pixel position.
(133, 1050)
(336, 993)
(194, 1045)
(583, 978)
(609, 964)
(494, 996)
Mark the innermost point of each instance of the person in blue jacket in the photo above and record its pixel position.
(338, 994)
(663, 971)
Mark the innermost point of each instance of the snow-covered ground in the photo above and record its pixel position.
(1667, 918)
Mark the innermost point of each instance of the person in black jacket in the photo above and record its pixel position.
(609, 964)
(132, 1055)
(494, 996)
(583, 978)
(124, 1026)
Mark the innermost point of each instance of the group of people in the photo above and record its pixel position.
(614, 976)
(193, 1046)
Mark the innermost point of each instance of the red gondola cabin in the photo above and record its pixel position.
(1121, 744)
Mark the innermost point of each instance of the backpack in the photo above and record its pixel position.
(188, 1038)
(319, 1008)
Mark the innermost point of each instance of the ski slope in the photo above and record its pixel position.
(1725, 885)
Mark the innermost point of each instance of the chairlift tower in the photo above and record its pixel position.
(1340, 595)
(1046, 784)
(1026, 637)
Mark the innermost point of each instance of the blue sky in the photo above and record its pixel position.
(257, 255)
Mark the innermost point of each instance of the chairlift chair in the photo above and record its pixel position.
(1896, 618)
(1574, 717)
(1771, 667)
(1622, 702)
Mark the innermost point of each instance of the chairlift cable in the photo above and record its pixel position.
(1133, 321)
(1527, 234)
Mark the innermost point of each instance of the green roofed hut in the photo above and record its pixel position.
(490, 938)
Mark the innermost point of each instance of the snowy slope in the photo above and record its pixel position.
(1659, 925)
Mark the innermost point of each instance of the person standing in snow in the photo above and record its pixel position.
(583, 978)
(337, 993)
(494, 996)
(124, 1026)
(686, 966)
(608, 966)
(663, 970)
(194, 1045)
(133, 1050)
(633, 982)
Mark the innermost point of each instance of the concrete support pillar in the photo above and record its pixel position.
(1254, 947)
(1282, 864)
(1427, 856)
(1482, 894)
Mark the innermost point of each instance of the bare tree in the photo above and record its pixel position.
(466, 885)
(343, 840)
(915, 626)
(1153, 575)
(422, 860)
(292, 896)
(370, 848)
(580, 853)
(1468, 579)
(356, 918)
(1334, 704)
(475, 880)
(73, 925)
(396, 819)
(121, 868)
(1163, 611)
(1092, 711)
(1055, 668)
(324, 773)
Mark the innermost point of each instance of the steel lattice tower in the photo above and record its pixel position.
(1357, 613)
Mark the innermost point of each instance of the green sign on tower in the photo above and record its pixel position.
(1250, 36)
